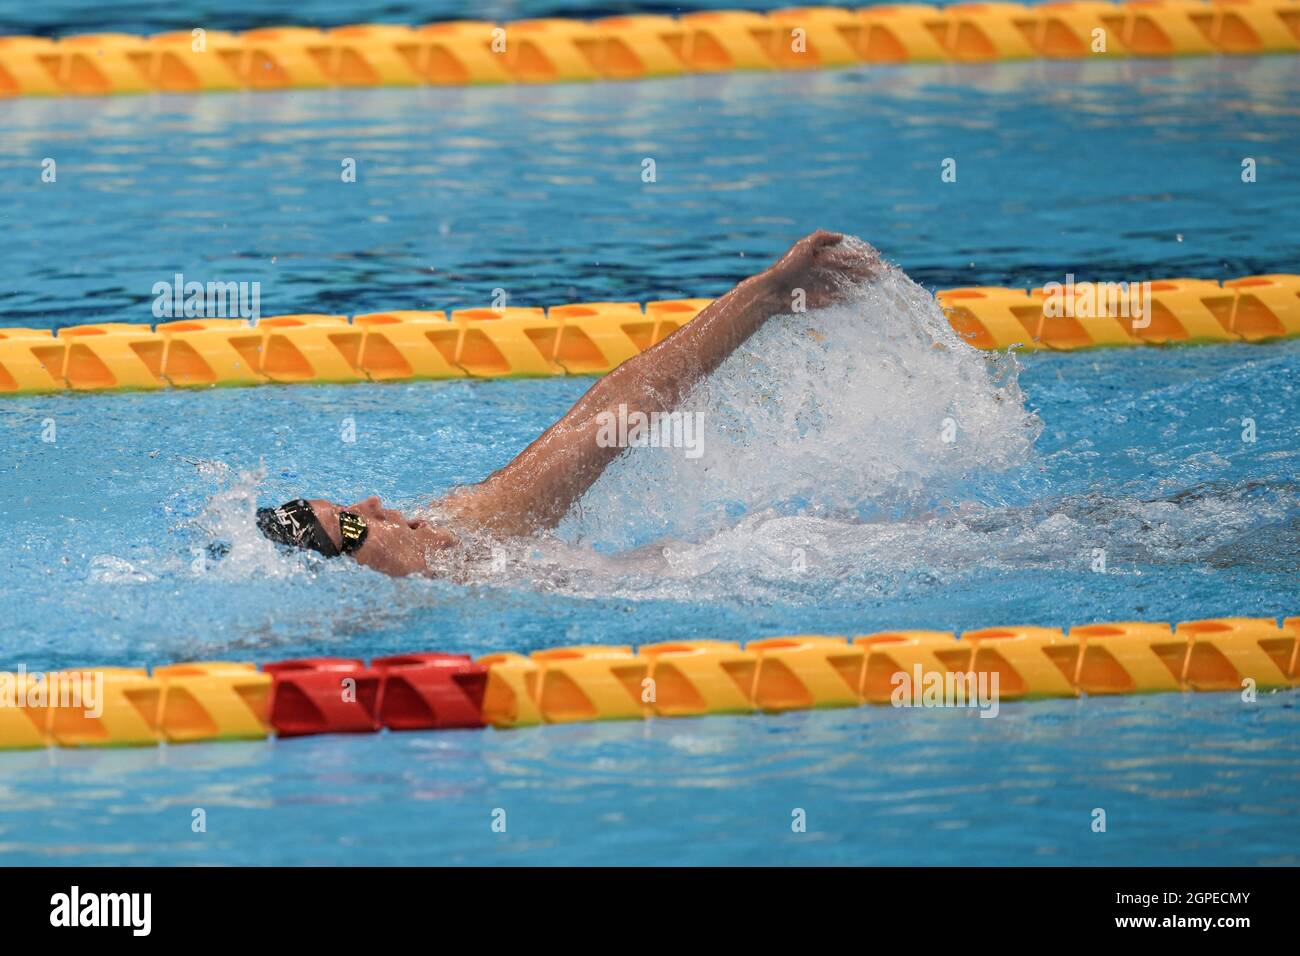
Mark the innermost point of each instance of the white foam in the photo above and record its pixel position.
(824, 436)
(837, 413)
(229, 518)
(825, 476)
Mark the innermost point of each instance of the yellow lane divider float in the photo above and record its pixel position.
(580, 339)
(637, 47)
(225, 701)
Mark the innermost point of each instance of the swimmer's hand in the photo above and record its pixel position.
(823, 267)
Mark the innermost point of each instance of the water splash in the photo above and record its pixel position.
(855, 452)
(863, 413)
(234, 548)
(803, 560)
(867, 409)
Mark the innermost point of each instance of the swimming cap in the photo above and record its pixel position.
(295, 523)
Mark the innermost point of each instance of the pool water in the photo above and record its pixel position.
(1183, 781)
(824, 502)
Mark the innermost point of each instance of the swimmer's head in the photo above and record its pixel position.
(296, 524)
(375, 536)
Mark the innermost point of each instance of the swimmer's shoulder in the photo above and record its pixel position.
(485, 509)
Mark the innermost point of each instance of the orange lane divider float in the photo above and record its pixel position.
(215, 700)
(595, 337)
(459, 53)
(1100, 315)
(579, 339)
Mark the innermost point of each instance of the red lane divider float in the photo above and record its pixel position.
(427, 691)
(324, 695)
(340, 695)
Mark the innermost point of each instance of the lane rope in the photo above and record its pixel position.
(638, 47)
(596, 337)
(216, 700)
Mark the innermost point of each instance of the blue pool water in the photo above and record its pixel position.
(1106, 170)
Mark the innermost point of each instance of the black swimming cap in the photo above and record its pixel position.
(295, 523)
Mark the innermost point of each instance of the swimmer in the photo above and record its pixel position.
(542, 483)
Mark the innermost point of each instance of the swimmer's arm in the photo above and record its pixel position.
(538, 488)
